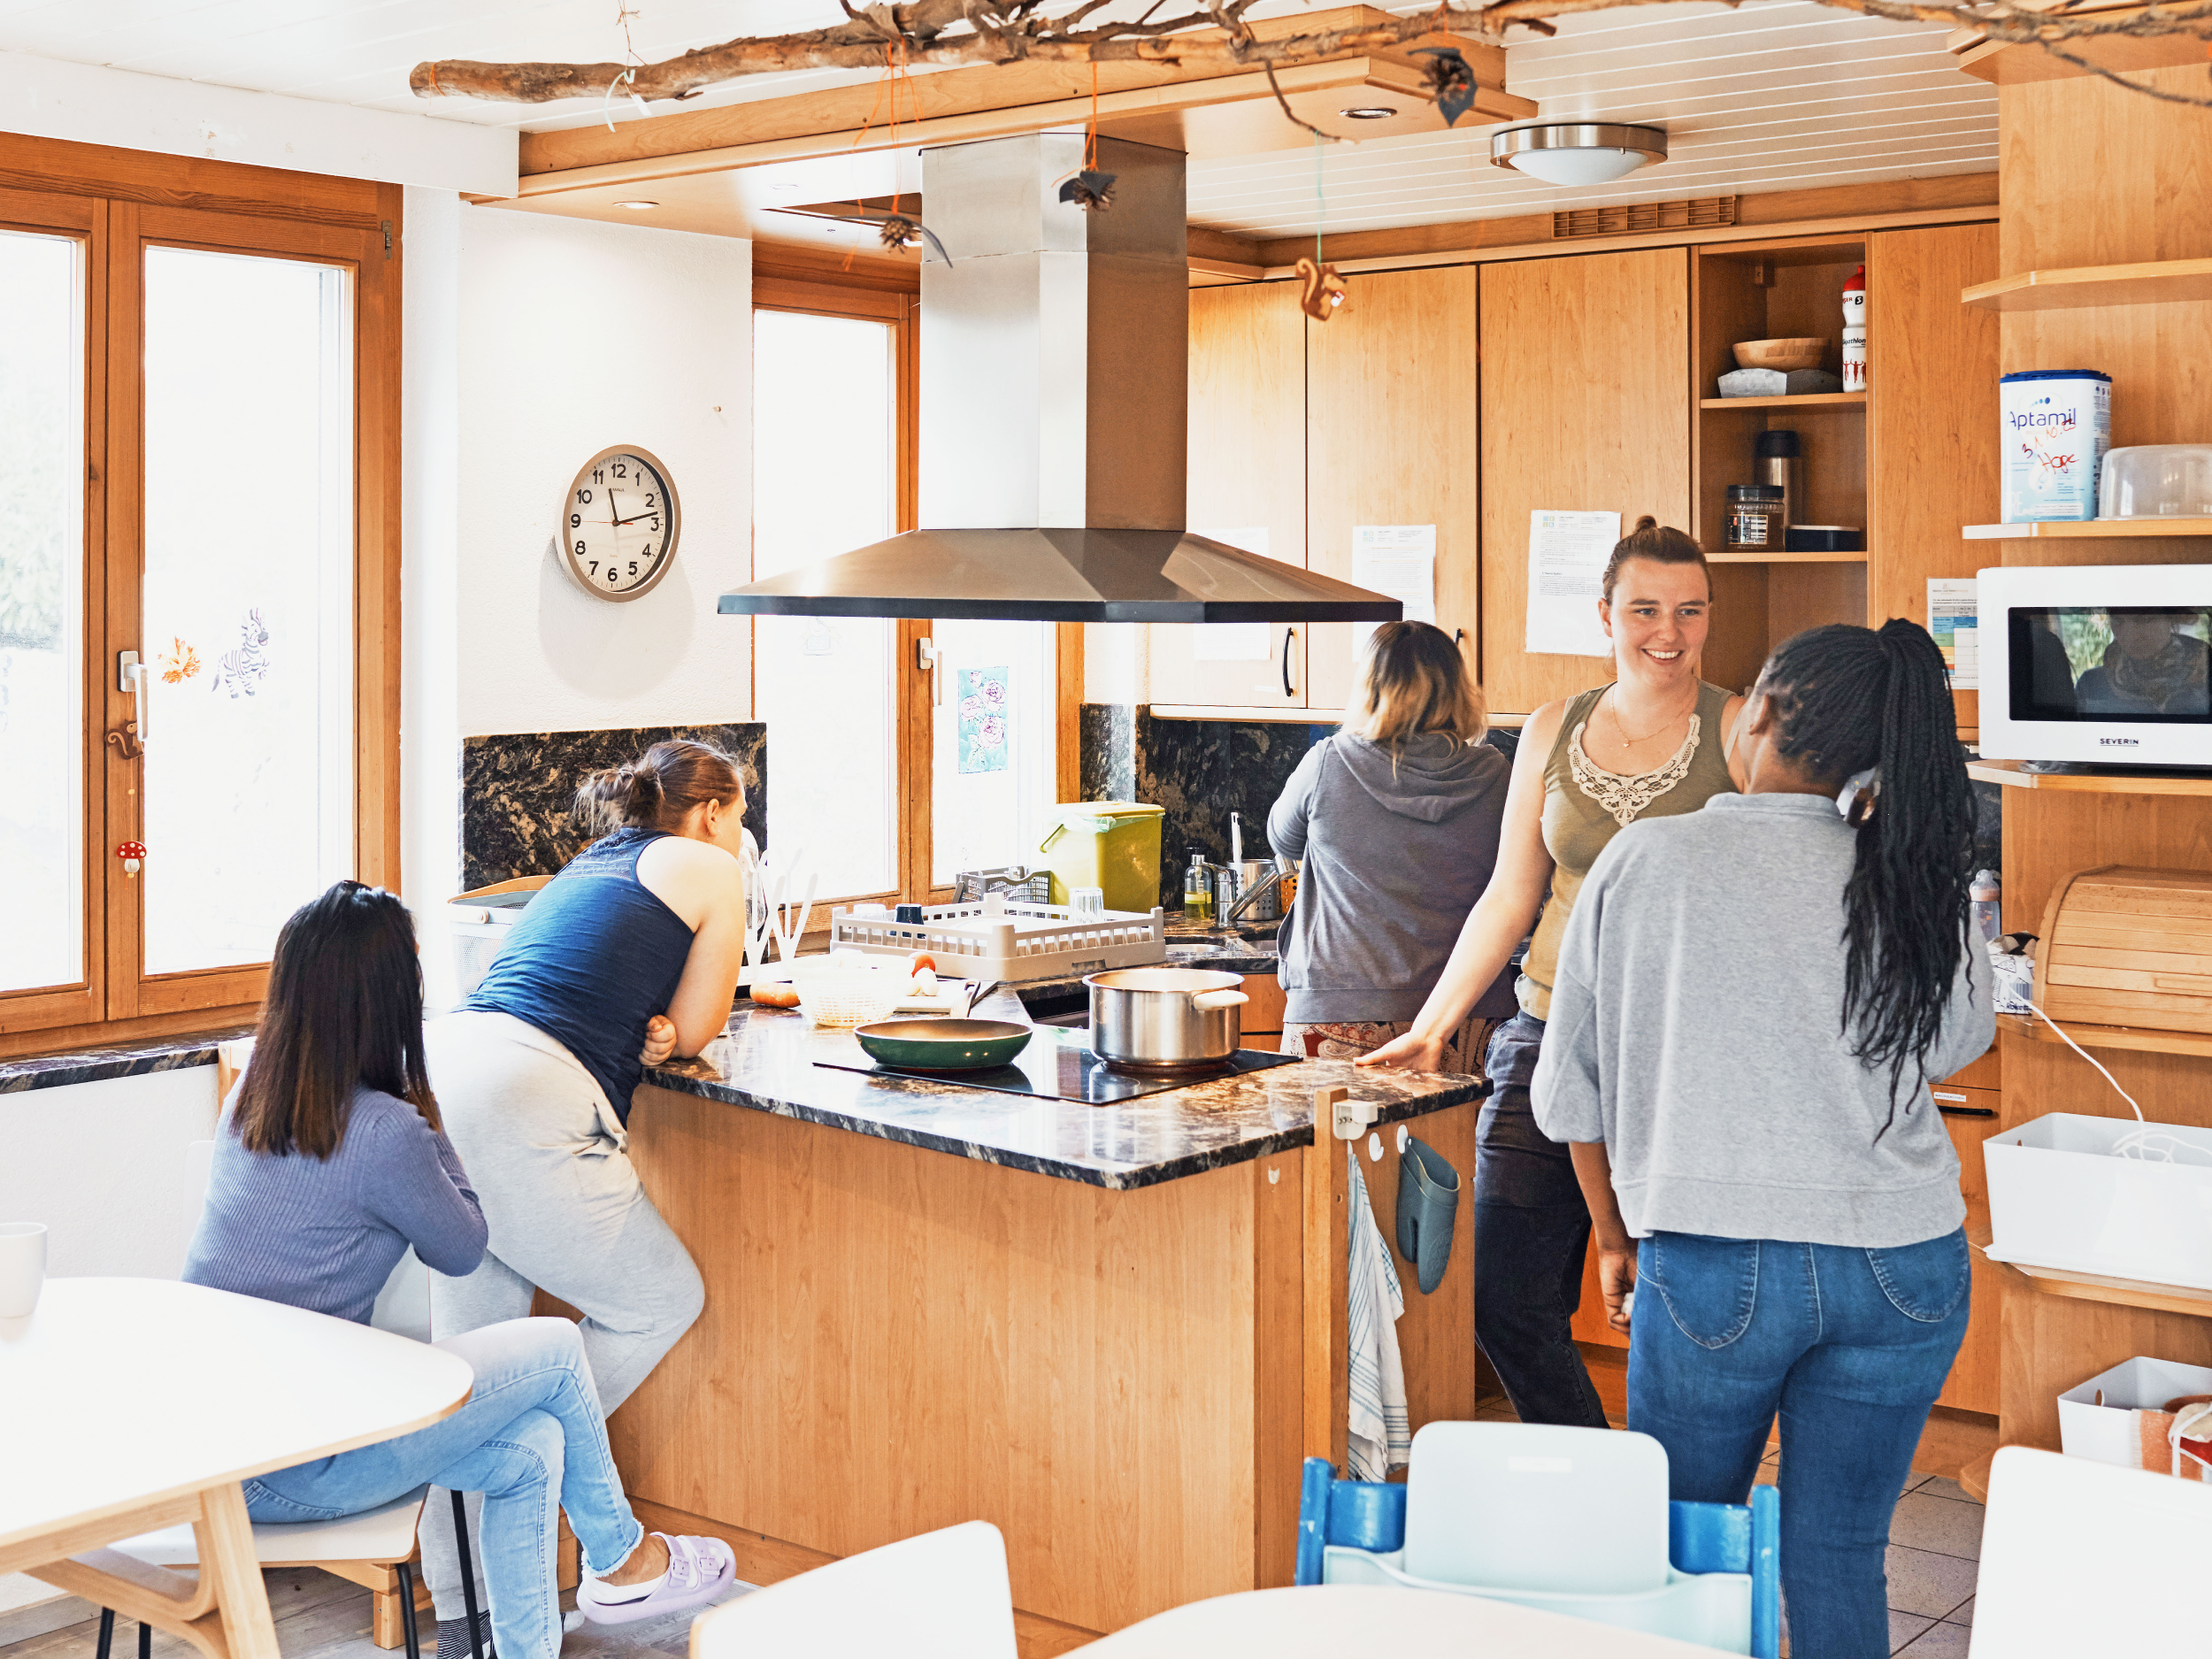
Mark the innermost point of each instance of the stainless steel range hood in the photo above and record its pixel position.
(1055, 353)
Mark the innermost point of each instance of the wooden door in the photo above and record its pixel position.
(1391, 427)
(1932, 418)
(1972, 1385)
(1586, 407)
(1248, 463)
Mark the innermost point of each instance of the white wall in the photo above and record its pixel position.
(429, 708)
(574, 336)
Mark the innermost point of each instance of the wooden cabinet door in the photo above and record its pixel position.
(1586, 407)
(1931, 417)
(1972, 1385)
(1391, 415)
(1247, 464)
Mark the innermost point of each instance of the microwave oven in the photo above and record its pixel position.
(2098, 663)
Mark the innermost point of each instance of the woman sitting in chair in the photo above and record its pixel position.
(331, 1163)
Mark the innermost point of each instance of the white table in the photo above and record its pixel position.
(1330, 1621)
(128, 1404)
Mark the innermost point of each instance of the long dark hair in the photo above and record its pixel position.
(344, 1009)
(658, 788)
(1846, 698)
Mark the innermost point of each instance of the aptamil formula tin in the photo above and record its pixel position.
(2057, 425)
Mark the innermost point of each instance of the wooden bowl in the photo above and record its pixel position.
(1781, 354)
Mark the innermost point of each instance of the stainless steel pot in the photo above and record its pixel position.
(1234, 883)
(1165, 1016)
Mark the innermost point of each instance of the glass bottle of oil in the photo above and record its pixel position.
(1198, 890)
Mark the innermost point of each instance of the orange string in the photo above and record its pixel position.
(1090, 147)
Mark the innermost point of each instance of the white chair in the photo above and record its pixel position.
(943, 1595)
(2082, 1557)
(375, 1548)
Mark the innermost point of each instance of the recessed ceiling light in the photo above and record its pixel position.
(1368, 112)
(1578, 152)
(637, 207)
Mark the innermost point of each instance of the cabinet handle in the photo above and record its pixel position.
(1289, 634)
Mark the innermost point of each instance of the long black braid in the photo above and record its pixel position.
(1845, 699)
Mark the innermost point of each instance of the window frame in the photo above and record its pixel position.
(116, 202)
(884, 299)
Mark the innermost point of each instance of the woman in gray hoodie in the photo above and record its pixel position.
(1396, 819)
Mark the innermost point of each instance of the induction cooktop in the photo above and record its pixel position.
(1058, 1064)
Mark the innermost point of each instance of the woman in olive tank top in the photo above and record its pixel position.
(1651, 743)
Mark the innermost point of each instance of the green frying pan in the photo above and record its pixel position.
(943, 1045)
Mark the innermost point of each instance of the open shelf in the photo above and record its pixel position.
(2089, 527)
(1808, 400)
(2152, 283)
(2120, 1292)
(2009, 774)
(2132, 1039)
(1786, 558)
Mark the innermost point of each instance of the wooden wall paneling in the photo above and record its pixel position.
(156, 181)
(1931, 417)
(1972, 1385)
(1736, 646)
(1392, 438)
(1586, 404)
(1327, 1364)
(1248, 471)
(1106, 1338)
(2049, 1344)
(377, 271)
(123, 519)
(1801, 597)
(1263, 1016)
(1068, 712)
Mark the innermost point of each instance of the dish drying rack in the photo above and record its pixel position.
(1014, 943)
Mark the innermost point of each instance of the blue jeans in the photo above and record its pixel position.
(1851, 1346)
(530, 1438)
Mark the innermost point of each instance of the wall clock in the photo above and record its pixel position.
(619, 522)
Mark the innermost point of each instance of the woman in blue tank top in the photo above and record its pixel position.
(628, 955)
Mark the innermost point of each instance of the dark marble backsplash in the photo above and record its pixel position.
(517, 790)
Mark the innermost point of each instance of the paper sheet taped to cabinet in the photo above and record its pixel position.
(1567, 554)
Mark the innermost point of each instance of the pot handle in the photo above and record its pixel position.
(1206, 1001)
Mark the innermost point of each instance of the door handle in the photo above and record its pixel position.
(1289, 636)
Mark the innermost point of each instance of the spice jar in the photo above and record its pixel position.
(1755, 516)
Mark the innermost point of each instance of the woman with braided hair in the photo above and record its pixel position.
(1750, 1004)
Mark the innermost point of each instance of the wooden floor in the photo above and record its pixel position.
(317, 1616)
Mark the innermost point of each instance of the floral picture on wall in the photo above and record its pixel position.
(983, 717)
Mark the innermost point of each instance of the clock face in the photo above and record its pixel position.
(619, 524)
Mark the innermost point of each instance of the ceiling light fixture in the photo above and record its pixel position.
(1368, 112)
(637, 207)
(1578, 152)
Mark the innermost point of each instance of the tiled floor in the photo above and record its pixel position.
(317, 1616)
(1935, 1546)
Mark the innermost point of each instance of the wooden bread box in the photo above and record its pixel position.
(2124, 946)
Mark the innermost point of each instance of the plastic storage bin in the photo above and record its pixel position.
(2062, 1196)
(2118, 1416)
(2156, 480)
(1111, 845)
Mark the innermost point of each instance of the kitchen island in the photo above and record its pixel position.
(1113, 1332)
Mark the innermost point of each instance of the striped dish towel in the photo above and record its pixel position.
(1380, 1439)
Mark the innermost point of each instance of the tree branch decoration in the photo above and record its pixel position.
(1215, 36)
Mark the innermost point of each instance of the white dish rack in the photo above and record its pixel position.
(1019, 941)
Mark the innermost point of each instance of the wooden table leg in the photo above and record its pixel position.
(230, 1569)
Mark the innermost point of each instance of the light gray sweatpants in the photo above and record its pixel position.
(547, 1159)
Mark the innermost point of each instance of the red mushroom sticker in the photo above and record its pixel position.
(133, 854)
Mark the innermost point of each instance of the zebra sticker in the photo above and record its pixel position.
(241, 671)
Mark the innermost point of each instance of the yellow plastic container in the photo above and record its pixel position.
(1111, 845)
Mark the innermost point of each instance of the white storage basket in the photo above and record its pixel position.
(1026, 941)
(2062, 1195)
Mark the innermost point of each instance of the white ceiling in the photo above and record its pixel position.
(1780, 94)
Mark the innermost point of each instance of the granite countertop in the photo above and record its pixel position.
(766, 1063)
(132, 1059)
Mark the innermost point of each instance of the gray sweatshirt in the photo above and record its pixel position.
(1395, 855)
(1695, 1031)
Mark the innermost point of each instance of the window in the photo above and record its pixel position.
(199, 478)
(902, 781)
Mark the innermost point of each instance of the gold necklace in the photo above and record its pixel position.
(1614, 708)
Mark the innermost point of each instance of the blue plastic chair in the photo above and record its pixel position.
(1355, 1531)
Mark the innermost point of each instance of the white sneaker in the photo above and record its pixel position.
(699, 1570)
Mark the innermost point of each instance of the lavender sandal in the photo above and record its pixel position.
(699, 1570)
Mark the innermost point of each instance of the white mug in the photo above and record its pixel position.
(22, 1266)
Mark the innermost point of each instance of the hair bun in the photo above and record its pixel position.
(1647, 522)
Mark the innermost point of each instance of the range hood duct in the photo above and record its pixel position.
(1054, 355)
